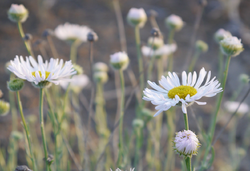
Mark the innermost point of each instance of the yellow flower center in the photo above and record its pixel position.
(182, 91)
(40, 73)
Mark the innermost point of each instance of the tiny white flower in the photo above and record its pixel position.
(72, 32)
(186, 143)
(165, 50)
(174, 22)
(232, 106)
(100, 66)
(18, 13)
(231, 46)
(137, 16)
(119, 60)
(221, 34)
(77, 82)
(171, 92)
(41, 73)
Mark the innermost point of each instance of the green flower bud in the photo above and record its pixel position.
(137, 17)
(174, 22)
(15, 84)
(138, 123)
(231, 46)
(16, 135)
(155, 42)
(201, 46)
(4, 108)
(244, 78)
(119, 60)
(100, 66)
(18, 13)
(101, 77)
(78, 69)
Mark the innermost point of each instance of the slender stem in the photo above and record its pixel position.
(150, 67)
(137, 146)
(121, 117)
(187, 159)
(73, 51)
(27, 133)
(170, 56)
(139, 56)
(171, 36)
(186, 121)
(27, 45)
(160, 68)
(221, 62)
(52, 47)
(193, 62)
(42, 127)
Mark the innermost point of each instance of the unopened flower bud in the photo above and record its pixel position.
(201, 46)
(4, 108)
(100, 66)
(155, 42)
(100, 77)
(16, 135)
(137, 17)
(48, 32)
(22, 168)
(174, 22)
(32, 119)
(138, 123)
(221, 34)
(27, 37)
(244, 78)
(155, 32)
(78, 68)
(15, 84)
(92, 37)
(18, 13)
(119, 60)
(231, 46)
(186, 143)
(50, 159)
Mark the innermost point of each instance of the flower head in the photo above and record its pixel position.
(77, 82)
(172, 92)
(186, 143)
(201, 46)
(232, 106)
(119, 60)
(221, 34)
(137, 16)
(155, 42)
(15, 84)
(174, 22)
(231, 46)
(165, 50)
(100, 66)
(40, 73)
(72, 32)
(18, 13)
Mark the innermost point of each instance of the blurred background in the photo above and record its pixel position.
(232, 15)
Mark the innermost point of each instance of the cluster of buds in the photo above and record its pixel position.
(100, 72)
(119, 60)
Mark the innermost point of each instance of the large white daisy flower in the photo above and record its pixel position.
(172, 92)
(37, 72)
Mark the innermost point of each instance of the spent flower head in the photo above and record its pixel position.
(165, 50)
(221, 34)
(231, 46)
(171, 92)
(119, 60)
(186, 143)
(174, 22)
(18, 13)
(137, 17)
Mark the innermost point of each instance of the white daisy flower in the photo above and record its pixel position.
(41, 72)
(221, 34)
(232, 106)
(165, 50)
(172, 92)
(72, 32)
(186, 143)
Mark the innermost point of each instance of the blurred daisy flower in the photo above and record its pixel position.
(77, 82)
(221, 34)
(232, 106)
(171, 92)
(41, 73)
(231, 46)
(18, 13)
(164, 50)
(119, 60)
(137, 17)
(174, 22)
(72, 32)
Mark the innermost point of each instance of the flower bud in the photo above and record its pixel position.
(100, 67)
(15, 84)
(186, 143)
(50, 159)
(231, 46)
(32, 119)
(18, 13)
(201, 46)
(100, 77)
(174, 22)
(146, 114)
(221, 34)
(155, 42)
(119, 60)
(92, 37)
(138, 123)
(22, 168)
(244, 78)
(137, 17)
(16, 135)
(42, 84)
(78, 68)
(48, 32)
(4, 108)
(27, 37)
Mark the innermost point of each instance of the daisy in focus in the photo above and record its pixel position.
(171, 92)
(41, 73)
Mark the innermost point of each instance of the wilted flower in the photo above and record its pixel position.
(201, 46)
(174, 22)
(100, 66)
(186, 143)
(119, 60)
(232, 106)
(4, 108)
(72, 32)
(165, 50)
(155, 42)
(41, 74)
(137, 17)
(231, 46)
(172, 93)
(77, 82)
(221, 34)
(18, 13)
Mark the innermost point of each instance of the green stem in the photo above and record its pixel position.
(160, 68)
(26, 129)
(73, 51)
(137, 146)
(170, 57)
(171, 36)
(121, 117)
(150, 67)
(27, 45)
(193, 62)
(221, 62)
(187, 159)
(42, 127)
(139, 56)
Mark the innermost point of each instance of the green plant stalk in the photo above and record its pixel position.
(232, 143)
(73, 51)
(139, 56)
(27, 45)
(150, 67)
(193, 62)
(187, 159)
(137, 146)
(120, 155)
(170, 57)
(221, 66)
(26, 129)
(42, 128)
